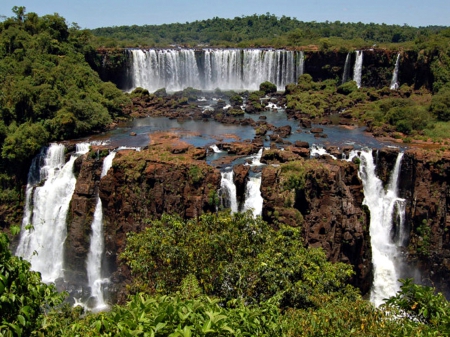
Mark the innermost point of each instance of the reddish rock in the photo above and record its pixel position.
(329, 209)
(299, 143)
(240, 180)
(316, 130)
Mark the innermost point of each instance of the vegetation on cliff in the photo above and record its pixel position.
(48, 92)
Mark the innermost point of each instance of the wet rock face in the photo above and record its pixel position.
(424, 183)
(327, 203)
(80, 218)
(144, 185)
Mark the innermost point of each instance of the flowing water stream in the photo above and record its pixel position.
(44, 224)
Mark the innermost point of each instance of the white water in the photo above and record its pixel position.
(253, 198)
(228, 190)
(319, 150)
(208, 69)
(394, 82)
(97, 246)
(383, 205)
(346, 73)
(215, 148)
(357, 70)
(43, 245)
(256, 158)
(301, 65)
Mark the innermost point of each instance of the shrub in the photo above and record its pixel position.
(267, 87)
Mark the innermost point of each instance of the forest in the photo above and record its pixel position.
(221, 274)
(264, 31)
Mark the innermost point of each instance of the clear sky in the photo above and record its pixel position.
(104, 13)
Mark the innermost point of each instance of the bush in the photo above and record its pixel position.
(267, 87)
(347, 88)
(23, 297)
(234, 256)
(440, 105)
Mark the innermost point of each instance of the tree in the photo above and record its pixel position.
(23, 296)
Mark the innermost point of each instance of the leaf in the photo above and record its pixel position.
(21, 320)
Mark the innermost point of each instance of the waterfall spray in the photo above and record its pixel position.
(383, 207)
(228, 190)
(97, 246)
(42, 244)
(357, 70)
(253, 198)
(394, 82)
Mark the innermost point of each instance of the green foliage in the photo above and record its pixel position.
(424, 232)
(234, 256)
(25, 141)
(421, 305)
(173, 316)
(49, 92)
(267, 87)
(23, 297)
(195, 174)
(440, 104)
(347, 88)
(263, 30)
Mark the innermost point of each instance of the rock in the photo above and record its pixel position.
(240, 180)
(316, 130)
(330, 211)
(301, 144)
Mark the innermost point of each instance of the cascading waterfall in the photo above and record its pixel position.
(97, 245)
(256, 159)
(318, 151)
(357, 70)
(208, 69)
(42, 245)
(346, 73)
(384, 206)
(394, 82)
(301, 64)
(215, 148)
(253, 198)
(228, 190)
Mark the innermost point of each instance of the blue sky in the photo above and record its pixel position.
(103, 13)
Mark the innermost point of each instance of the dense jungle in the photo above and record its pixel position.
(188, 267)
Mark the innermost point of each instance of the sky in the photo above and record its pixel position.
(103, 13)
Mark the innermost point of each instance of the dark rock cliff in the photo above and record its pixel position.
(327, 203)
(323, 196)
(424, 183)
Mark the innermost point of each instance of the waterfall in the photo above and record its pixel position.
(357, 70)
(208, 69)
(253, 198)
(42, 245)
(228, 190)
(256, 158)
(300, 65)
(215, 149)
(383, 205)
(394, 82)
(97, 245)
(318, 151)
(346, 73)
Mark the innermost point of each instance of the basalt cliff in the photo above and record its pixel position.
(323, 196)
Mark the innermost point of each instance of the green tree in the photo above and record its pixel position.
(23, 297)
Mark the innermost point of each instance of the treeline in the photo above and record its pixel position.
(48, 91)
(260, 30)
